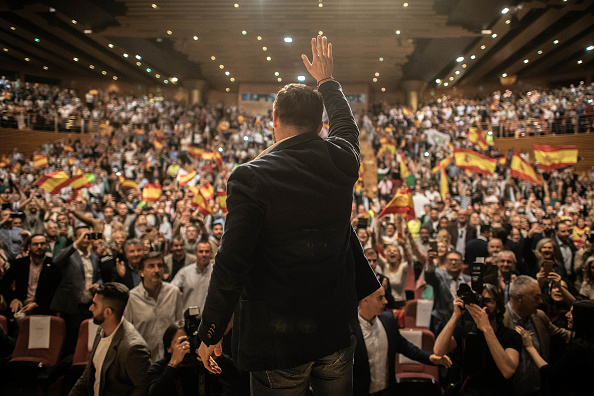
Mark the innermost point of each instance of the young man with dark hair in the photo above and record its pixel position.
(120, 358)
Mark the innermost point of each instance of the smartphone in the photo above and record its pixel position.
(433, 246)
(547, 266)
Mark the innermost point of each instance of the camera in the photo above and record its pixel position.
(474, 295)
(95, 235)
(191, 323)
(469, 296)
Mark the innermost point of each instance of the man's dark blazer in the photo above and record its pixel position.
(125, 367)
(18, 273)
(389, 297)
(453, 231)
(287, 257)
(396, 344)
(475, 248)
(69, 292)
(571, 276)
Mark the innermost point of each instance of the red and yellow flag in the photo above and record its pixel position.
(218, 158)
(476, 137)
(71, 161)
(53, 182)
(158, 145)
(151, 192)
(185, 179)
(127, 183)
(474, 162)
(207, 191)
(444, 187)
(222, 198)
(40, 160)
(4, 161)
(78, 182)
(443, 164)
(201, 203)
(195, 151)
(139, 131)
(208, 156)
(386, 147)
(69, 149)
(401, 203)
(555, 157)
(16, 167)
(523, 170)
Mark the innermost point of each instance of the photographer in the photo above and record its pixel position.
(482, 373)
(179, 370)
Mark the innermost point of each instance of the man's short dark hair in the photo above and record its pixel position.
(178, 237)
(37, 235)
(426, 228)
(115, 296)
(150, 256)
(300, 106)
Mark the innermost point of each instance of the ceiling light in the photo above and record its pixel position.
(91, 67)
(397, 31)
(12, 28)
(125, 55)
(232, 79)
(494, 35)
(74, 22)
(320, 4)
(268, 58)
(539, 52)
(138, 57)
(300, 78)
(279, 79)
(88, 31)
(227, 73)
(195, 38)
(174, 79)
(236, 5)
(381, 59)
(472, 57)
(590, 48)
(110, 45)
(228, 89)
(264, 49)
(154, 5)
(115, 77)
(320, 33)
(213, 58)
(158, 75)
(483, 47)
(445, 84)
(383, 89)
(508, 21)
(27, 59)
(505, 10)
(504, 75)
(374, 79)
(459, 59)
(221, 66)
(244, 32)
(75, 59)
(526, 61)
(276, 73)
(259, 37)
(36, 40)
(451, 78)
(45, 68)
(405, 5)
(486, 31)
(464, 66)
(376, 74)
(169, 32)
(104, 72)
(288, 39)
(556, 42)
(437, 81)
(457, 72)
(138, 63)
(5, 49)
(166, 81)
(148, 70)
(580, 62)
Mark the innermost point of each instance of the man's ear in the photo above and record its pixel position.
(275, 120)
(320, 127)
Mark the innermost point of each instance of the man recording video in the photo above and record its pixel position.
(490, 351)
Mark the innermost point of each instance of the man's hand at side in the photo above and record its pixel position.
(208, 354)
(322, 64)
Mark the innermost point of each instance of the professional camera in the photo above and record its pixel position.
(469, 296)
(191, 323)
(474, 295)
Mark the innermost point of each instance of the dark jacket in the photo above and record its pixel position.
(475, 248)
(396, 344)
(18, 274)
(287, 258)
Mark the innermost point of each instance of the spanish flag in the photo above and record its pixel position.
(39, 160)
(555, 157)
(207, 191)
(16, 168)
(69, 149)
(442, 164)
(53, 182)
(387, 147)
(195, 151)
(4, 162)
(139, 131)
(158, 145)
(523, 170)
(444, 187)
(78, 182)
(71, 161)
(222, 198)
(474, 162)
(401, 203)
(208, 156)
(185, 179)
(218, 158)
(151, 192)
(477, 138)
(201, 203)
(127, 183)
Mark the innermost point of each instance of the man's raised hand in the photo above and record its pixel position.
(322, 64)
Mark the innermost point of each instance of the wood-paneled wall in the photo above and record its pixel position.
(27, 141)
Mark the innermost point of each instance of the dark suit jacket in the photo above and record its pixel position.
(389, 297)
(125, 367)
(396, 344)
(453, 231)
(18, 273)
(287, 257)
(69, 292)
(475, 248)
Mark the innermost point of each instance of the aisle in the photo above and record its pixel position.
(369, 165)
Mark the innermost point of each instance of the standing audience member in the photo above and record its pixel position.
(193, 280)
(178, 258)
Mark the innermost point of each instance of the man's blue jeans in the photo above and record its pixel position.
(331, 375)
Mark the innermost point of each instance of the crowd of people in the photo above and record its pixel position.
(76, 252)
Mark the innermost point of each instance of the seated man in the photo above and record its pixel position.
(193, 280)
(153, 304)
(120, 358)
(378, 341)
(490, 351)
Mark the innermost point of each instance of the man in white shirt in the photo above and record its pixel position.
(153, 304)
(193, 280)
(120, 358)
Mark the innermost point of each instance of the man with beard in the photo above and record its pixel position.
(127, 271)
(33, 221)
(216, 235)
(120, 358)
(491, 351)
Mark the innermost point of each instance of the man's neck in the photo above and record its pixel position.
(201, 268)
(180, 257)
(454, 274)
(153, 290)
(368, 317)
(109, 327)
(37, 260)
(516, 308)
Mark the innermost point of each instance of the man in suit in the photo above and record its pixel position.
(372, 258)
(522, 310)
(120, 358)
(79, 267)
(378, 342)
(289, 256)
(178, 258)
(35, 279)
(567, 248)
(461, 231)
(445, 284)
(478, 247)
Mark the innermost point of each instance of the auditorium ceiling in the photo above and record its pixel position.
(228, 42)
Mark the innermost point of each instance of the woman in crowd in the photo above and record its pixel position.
(571, 374)
(396, 270)
(587, 289)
